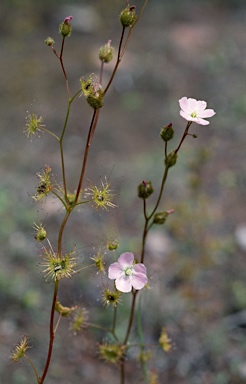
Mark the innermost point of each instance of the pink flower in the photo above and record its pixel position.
(126, 274)
(195, 110)
(67, 19)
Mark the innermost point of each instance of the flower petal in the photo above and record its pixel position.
(126, 259)
(183, 103)
(207, 113)
(191, 105)
(201, 121)
(115, 271)
(139, 268)
(185, 115)
(200, 106)
(139, 280)
(123, 284)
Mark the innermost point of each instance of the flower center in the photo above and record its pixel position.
(193, 114)
(128, 271)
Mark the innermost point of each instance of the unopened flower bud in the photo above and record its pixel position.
(171, 159)
(106, 52)
(63, 311)
(161, 217)
(128, 16)
(145, 189)
(71, 197)
(93, 91)
(96, 100)
(67, 19)
(49, 41)
(65, 28)
(167, 132)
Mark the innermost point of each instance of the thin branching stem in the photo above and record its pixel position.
(141, 341)
(131, 28)
(68, 208)
(144, 236)
(57, 323)
(93, 325)
(134, 295)
(86, 152)
(120, 54)
(184, 136)
(122, 368)
(122, 371)
(59, 197)
(63, 224)
(146, 229)
(114, 319)
(68, 211)
(94, 125)
(101, 72)
(163, 182)
(50, 133)
(147, 226)
(126, 42)
(60, 57)
(62, 154)
(63, 69)
(61, 144)
(52, 333)
(112, 331)
(33, 367)
(140, 13)
(117, 62)
(167, 169)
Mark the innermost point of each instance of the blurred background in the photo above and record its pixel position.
(196, 262)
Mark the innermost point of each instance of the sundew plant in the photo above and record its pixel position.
(124, 275)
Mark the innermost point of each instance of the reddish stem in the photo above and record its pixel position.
(88, 143)
(52, 333)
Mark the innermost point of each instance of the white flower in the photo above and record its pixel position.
(195, 110)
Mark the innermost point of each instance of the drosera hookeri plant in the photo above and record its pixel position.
(127, 269)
